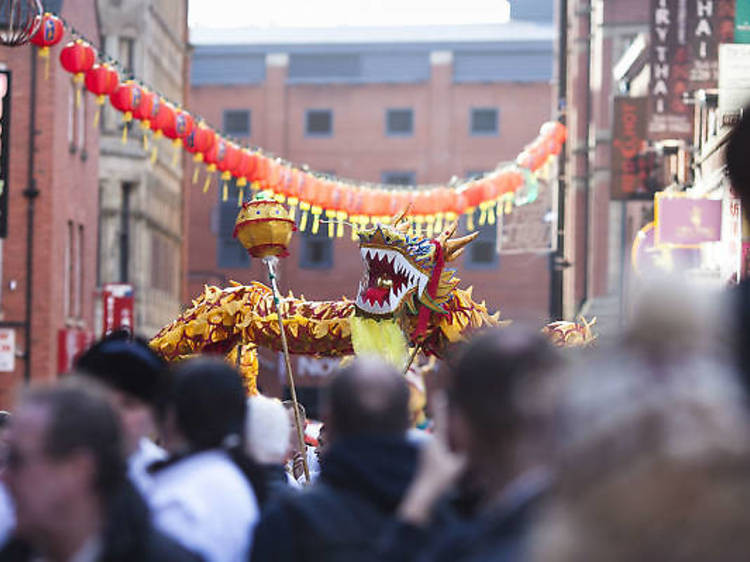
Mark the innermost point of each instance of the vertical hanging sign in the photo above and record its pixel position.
(4, 149)
(669, 116)
(710, 23)
(628, 144)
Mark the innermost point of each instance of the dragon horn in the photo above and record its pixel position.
(401, 217)
(453, 248)
(447, 233)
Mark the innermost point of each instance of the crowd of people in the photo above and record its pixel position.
(632, 451)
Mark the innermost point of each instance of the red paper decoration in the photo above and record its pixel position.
(77, 57)
(49, 33)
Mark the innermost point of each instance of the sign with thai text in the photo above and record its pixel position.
(710, 23)
(629, 141)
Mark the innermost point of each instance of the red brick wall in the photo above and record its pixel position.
(68, 189)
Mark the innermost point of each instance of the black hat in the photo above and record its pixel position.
(127, 364)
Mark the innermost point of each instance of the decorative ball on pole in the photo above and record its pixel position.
(19, 21)
(264, 228)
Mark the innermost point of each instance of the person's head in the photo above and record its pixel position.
(134, 376)
(738, 166)
(205, 407)
(65, 451)
(267, 430)
(368, 396)
(495, 397)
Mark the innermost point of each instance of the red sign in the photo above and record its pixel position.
(670, 117)
(710, 22)
(118, 307)
(71, 343)
(628, 144)
(687, 221)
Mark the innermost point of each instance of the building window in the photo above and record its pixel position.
(69, 268)
(316, 249)
(475, 174)
(319, 123)
(162, 264)
(229, 252)
(71, 117)
(82, 125)
(80, 273)
(399, 178)
(482, 252)
(127, 191)
(484, 121)
(399, 122)
(237, 122)
(126, 52)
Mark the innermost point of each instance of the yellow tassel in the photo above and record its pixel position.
(154, 153)
(177, 143)
(241, 196)
(340, 216)
(492, 213)
(430, 227)
(316, 223)
(303, 221)
(509, 206)
(207, 183)
(483, 214)
(439, 222)
(293, 208)
(470, 220)
(96, 116)
(354, 228)
(124, 138)
(145, 142)
(224, 191)
(195, 174)
(44, 53)
(78, 96)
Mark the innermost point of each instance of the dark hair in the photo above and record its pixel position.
(208, 399)
(736, 156)
(81, 419)
(368, 396)
(4, 418)
(126, 363)
(491, 369)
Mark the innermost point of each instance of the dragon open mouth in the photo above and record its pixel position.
(388, 278)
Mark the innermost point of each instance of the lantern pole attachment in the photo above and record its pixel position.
(271, 263)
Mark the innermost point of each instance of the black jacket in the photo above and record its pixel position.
(341, 516)
(128, 536)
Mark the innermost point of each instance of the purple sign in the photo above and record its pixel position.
(686, 221)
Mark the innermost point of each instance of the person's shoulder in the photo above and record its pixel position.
(161, 548)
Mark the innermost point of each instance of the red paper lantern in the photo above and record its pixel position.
(145, 107)
(49, 33)
(101, 80)
(162, 116)
(180, 126)
(125, 98)
(77, 57)
(200, 140)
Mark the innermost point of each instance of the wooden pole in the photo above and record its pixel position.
(412, 357)
(271, 264)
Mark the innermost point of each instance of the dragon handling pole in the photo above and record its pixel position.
(271, 262)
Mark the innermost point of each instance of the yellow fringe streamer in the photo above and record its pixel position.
(383, 338)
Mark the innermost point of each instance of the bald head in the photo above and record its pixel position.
(368, 396)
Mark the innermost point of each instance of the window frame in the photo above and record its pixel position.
(473, 133)
(246, 134)
(226, 260)
(304, 255)
(317, 135)
(469, 262)
(386, 179)
(402, 134)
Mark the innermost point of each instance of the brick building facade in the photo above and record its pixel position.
(64, 172)
(394, 105)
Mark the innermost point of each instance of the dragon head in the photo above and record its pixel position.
(403, 271)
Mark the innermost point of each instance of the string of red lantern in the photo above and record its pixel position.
(317, 196)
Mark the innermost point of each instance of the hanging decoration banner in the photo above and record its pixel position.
(669, 116)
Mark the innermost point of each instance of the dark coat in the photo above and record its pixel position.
(497, 534)
(128, 536)
(341, 516)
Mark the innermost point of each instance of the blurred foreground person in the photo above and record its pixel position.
(203, 495)
(738, 169)
(498, 417)
(654, 458)
(66, 472)
(366, 467)
(268, 434)
(134, 377)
